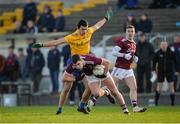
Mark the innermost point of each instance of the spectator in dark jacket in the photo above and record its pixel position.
(19, 28)
(60, 22)
(176, 47)
(36, 63)
(130, 21)
(53, 65)
(11, 65)
(22, 64)
(2, 66)
(131, 4)
(29, 12)
(66, 53)
(144, 24)
(144, 52)
(31, 28)
(46, 21)
(164, 60)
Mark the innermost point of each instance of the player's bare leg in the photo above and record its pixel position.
(97, 92)
(131, 83)
(63, 96)
(109, 82)
(158, 92)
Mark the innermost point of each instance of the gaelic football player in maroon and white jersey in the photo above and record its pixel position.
(124, 50)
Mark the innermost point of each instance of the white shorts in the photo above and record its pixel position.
(92, 79)
(122, 73)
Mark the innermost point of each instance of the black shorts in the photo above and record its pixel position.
(168, 76)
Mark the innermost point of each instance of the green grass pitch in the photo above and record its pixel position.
(100, 114)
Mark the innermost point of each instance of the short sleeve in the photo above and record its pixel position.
(68, 38)
(69, 69)
(94, 59)
(118, 41)
(91, 30)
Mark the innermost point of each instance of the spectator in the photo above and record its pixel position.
(2, 63)
(144, 24)
(29, 12)
(163, 4)
(131, 4)
(35, 66)
(130, 21)
(53, 65)
(31, 28)
(2, 66)
(30, 42)
(66, 53)
(22, 62)
(176, 47)
(46, 21)
(120, 4)
(60, 22)
(144, 52)
(2, 77)
(11, 65)
(19, 28)
(165, 59)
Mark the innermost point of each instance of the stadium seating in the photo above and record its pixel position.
(7, 18)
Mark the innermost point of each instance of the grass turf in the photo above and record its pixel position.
(100, 114)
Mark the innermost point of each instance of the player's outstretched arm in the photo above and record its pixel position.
(49, 43)
(107, 17)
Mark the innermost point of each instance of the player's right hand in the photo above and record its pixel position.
(128, 56)
(37, 45)
(109, 14)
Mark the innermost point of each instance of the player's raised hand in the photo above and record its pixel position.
(109, 14)
(37, 45)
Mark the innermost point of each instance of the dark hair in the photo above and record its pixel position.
(130, 26)
(75, 58)
(20, 49)
(11, 47)
(142, 34)
(83, 23)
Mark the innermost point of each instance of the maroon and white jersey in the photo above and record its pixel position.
(89, 60)
(126, 47)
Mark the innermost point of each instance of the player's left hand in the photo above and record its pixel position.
(109, 14)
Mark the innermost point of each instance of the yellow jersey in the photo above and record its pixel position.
(79, 44)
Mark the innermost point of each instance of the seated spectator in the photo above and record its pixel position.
(162, 4)
(60, 22)
(130, 21)
(29, 12)
(131, 4)
(46, 21)
(31, 28)
(120, 4)
(19, 28)
(144, 24)
(11, 65)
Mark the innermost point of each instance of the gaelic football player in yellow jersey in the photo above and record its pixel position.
(79, 42)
